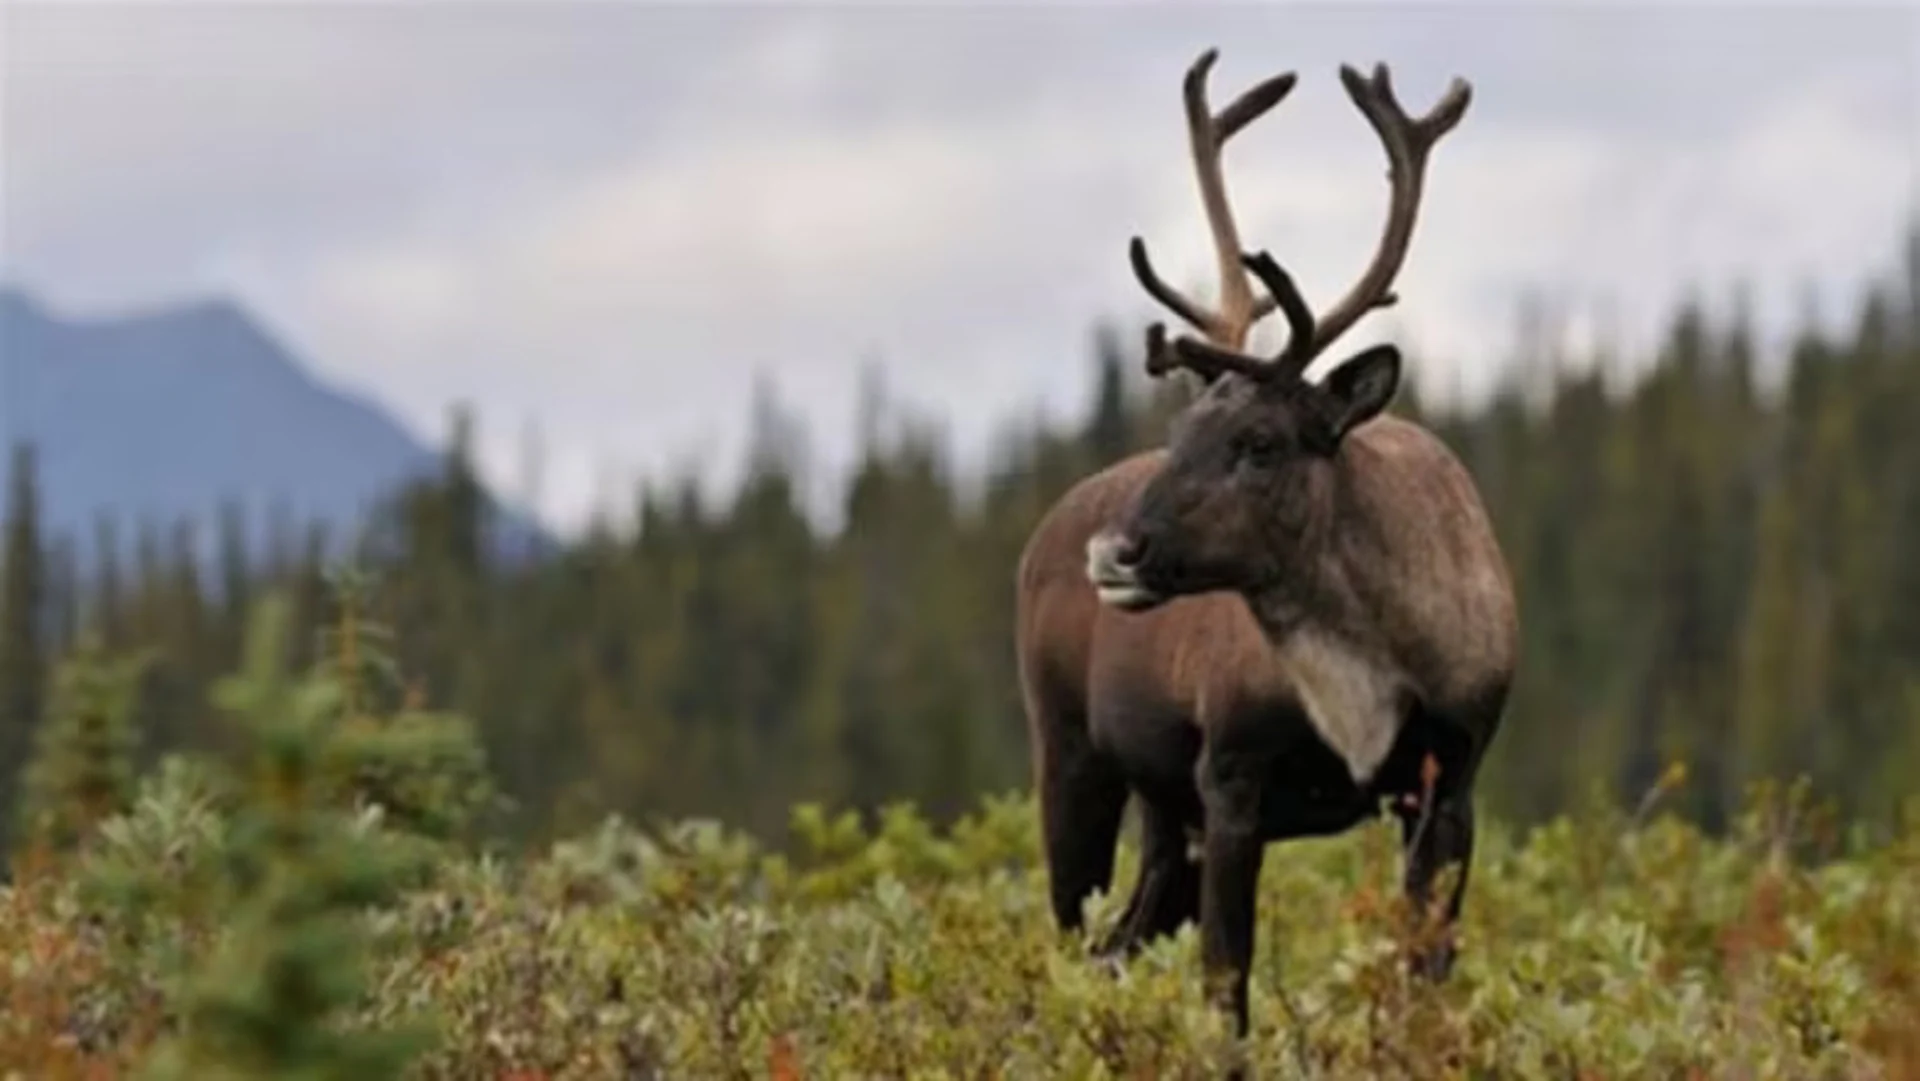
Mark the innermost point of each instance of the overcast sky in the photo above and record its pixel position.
(604, 218)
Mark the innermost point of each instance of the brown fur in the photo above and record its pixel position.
(1414, 562)
(1404, 566)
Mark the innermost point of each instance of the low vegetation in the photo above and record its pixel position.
(312, 906)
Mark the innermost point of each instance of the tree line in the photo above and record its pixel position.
(1711, 571)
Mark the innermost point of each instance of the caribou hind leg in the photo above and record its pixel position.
(1437, 827)
(1082, 796)
(1439, 840)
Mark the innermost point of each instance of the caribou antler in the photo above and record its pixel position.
(1210, 361)
(1208, 132)
(1408, 142)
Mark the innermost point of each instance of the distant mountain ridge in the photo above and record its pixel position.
(167, 413)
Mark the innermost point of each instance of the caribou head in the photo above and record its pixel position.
(1246, 491)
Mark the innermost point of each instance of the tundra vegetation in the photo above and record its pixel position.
(313, 905)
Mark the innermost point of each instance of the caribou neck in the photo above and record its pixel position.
(1317, 584)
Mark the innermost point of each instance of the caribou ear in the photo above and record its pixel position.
(1358, 389)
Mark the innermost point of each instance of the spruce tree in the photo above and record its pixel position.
(82, 769)
(299, 874)
(22, 585)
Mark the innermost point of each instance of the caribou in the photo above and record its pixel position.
(1294, 611)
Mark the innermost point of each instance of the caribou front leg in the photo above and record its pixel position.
(1230, 782)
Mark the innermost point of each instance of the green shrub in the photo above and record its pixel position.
(269, 918)
(1596, 946)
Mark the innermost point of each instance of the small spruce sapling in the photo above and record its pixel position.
(424, 770)
(82, 771)
(299, 873)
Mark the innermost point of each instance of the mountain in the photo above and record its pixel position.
(165, 414)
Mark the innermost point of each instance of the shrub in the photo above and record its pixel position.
(270, 918)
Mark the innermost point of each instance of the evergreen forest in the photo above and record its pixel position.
(1716, 566)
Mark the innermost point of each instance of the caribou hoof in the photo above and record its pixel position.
(1433, 963)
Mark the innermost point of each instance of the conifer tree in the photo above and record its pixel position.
(299, 873)
(82, 771)
(423, 769)
(22, 600)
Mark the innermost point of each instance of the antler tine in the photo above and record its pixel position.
(1210, 361)
(1281, 291)
(1207, 133)
(1408, 142)
(1192, 314)
(1160, 359)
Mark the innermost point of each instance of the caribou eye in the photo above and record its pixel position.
(1258, 449)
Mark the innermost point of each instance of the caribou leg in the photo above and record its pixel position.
(1230, 784)
(1437, 829)
(1445, 840)
(1081, 800)
(1167, 893)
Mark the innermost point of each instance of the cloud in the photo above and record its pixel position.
(606, 218)
(661, 285)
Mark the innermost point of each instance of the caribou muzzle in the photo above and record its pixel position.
(1115, 562)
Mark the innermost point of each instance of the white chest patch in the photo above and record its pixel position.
(1349, 699)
